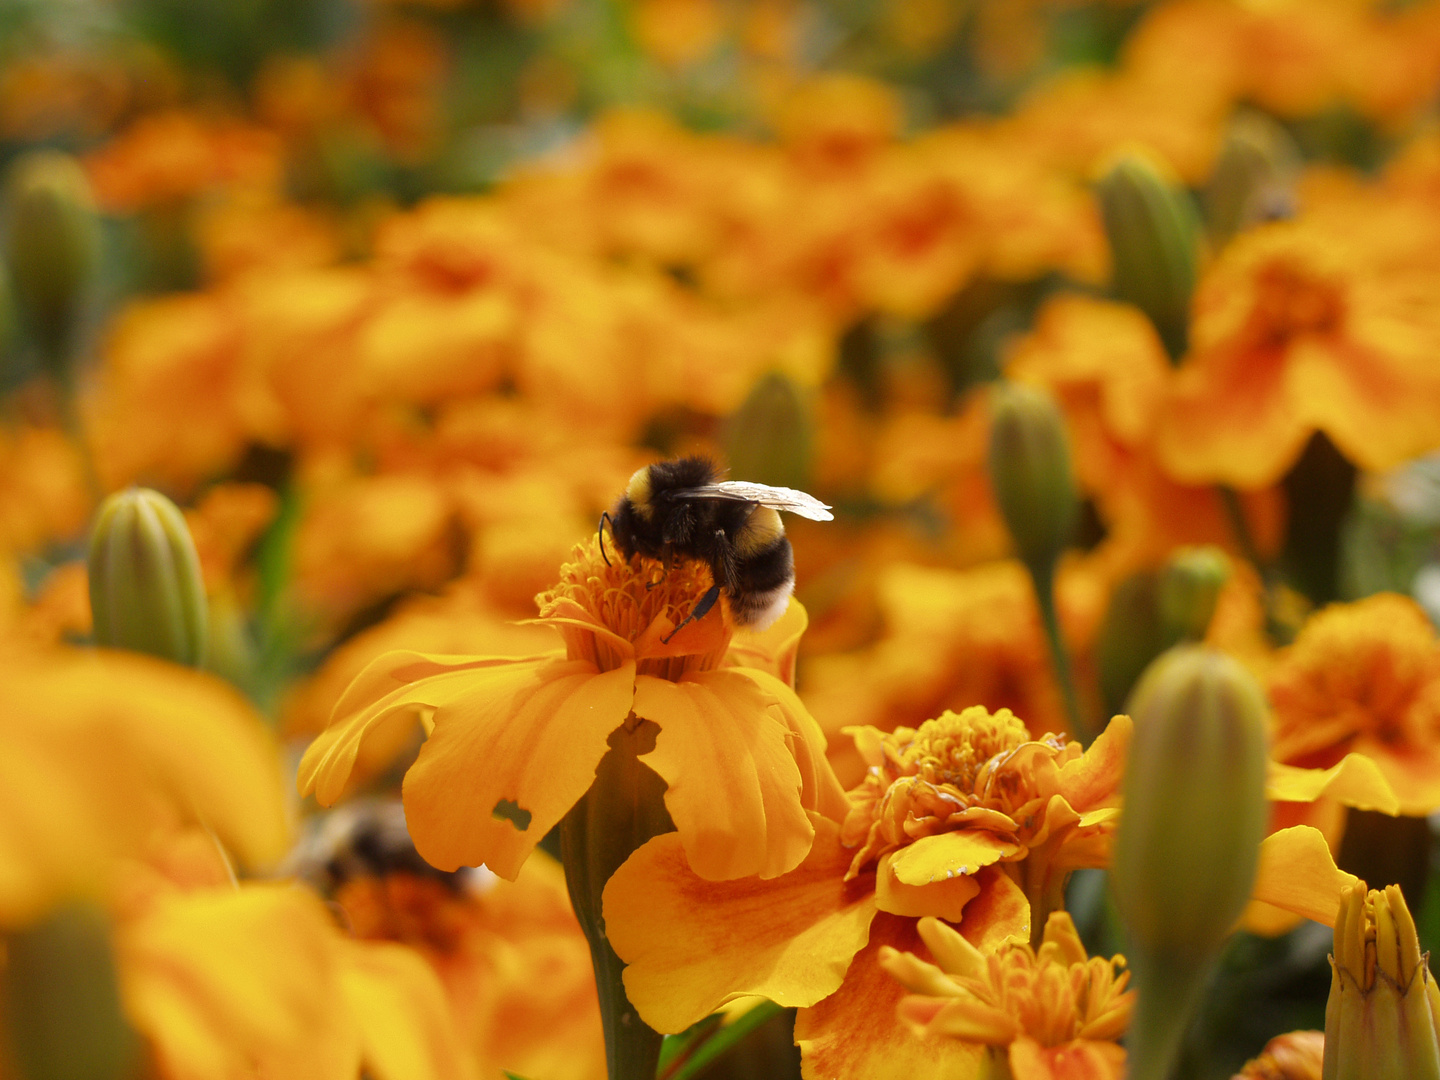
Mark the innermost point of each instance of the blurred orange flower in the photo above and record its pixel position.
(1304, 326)
(1364, 678)
(1296, 1055)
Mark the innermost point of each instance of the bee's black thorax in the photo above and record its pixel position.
(743, 543)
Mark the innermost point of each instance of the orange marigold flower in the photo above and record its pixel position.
(1364, 678)
(966, 818)
(1053, 1012)
(513, 743)
(967, 635)
(1304, 326)
(1296, 1055)
(1106, 366)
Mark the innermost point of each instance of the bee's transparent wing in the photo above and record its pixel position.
(778, 498)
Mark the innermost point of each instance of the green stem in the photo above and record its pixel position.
(1044, 581)
(622, 810)
(1166, 998)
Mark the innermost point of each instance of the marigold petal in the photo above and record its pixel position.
(774, 649)
(402, 1014)
(1092, 780)
(1412, 772)
(1079, 1059)
(1355, 780)
(734, 787)
(693, 944)
(223, 982)
(821, 789)
(855, 1031)
(932, 859)
(965, 1018)
(509, 757)
(945, 899)
(395, 688)
(1298, 874)
(999, 914)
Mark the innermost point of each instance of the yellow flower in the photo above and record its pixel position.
(98, 751)
(967, 819)
(1296, 1055)
(513, 743)
(1053, 1012)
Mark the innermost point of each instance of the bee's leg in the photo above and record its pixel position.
(600, 532)
(666, 560)
(701, 610)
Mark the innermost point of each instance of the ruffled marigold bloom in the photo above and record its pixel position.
(513, 743)
(1296, 1055)
(967, 819)
(1304, 326)
(1364, 678)
(1053, 1012)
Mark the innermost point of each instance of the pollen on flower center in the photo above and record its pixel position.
(961, 750)
(971, 769)
(628, 598)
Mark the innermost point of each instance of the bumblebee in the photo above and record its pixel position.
(683, 509)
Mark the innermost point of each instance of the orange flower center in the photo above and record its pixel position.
(638, 602)
(1293, 302)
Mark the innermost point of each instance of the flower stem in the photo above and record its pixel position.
(1044, 581)
(624, 808)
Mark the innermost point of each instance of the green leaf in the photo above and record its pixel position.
(710, 1042)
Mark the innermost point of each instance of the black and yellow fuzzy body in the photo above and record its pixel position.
(684, 509)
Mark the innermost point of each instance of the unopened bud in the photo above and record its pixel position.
(61, 1002)
(1154, 245)
(1253, 179)
(1131, 635)
(1382, 1021)
(1031, 474)
(1190, 586)
(52, 245)
(146, 592)
(769, 439)
(1188, 843)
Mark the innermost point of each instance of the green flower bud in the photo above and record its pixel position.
(1031, 475)
(146, 592)
(1131, 635)
(52, 245)
(60, 1010)
(1253, 179)
(1382, 1021)
(1154, 245)
(1190, 585)
(1188, 843)
(769, 439)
